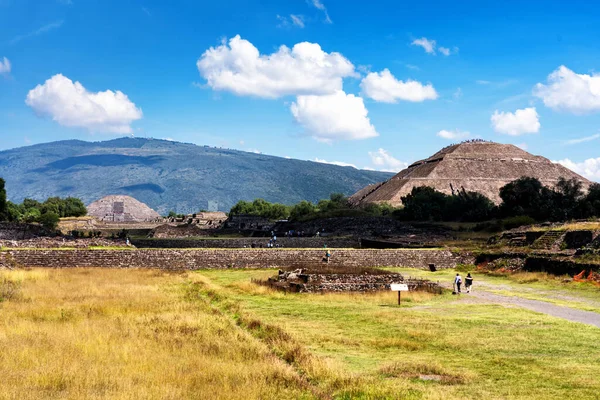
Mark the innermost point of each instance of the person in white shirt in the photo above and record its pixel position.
(457, 282)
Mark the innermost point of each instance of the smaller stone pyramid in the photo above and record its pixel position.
(120, 208)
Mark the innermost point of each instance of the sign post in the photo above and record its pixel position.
(399, 287)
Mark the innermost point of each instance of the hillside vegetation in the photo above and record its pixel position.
(169, 175)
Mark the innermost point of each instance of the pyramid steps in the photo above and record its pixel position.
(519, 241)
(475, 166)
(549, 241)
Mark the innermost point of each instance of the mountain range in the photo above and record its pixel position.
(170, 175)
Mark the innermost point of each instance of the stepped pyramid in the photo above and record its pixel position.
(119, 208)
(476, 166)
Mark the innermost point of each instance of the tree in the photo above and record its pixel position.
(14, 212)
(469, 206)
(278, 211)
(302, 209)
(526, 196)
(68, 207)
(590, 204)
(49, 220)
(29, 204)
(73, 207)
(567, 197)
(379, 209)
(261, 208)
(3, 203)
(31, 215)
(424, 203)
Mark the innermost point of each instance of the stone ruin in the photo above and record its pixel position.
(18, 231)
(473, 166)
(120, 208)
(203, 219)
(322, 279)
(249, 222)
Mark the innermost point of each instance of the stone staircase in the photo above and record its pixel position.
(549, 241)
(518, 241)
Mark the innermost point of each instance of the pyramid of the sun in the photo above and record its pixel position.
(476, 166)
(119, 208)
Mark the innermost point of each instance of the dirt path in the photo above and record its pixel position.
(570, 314)
(486, 286)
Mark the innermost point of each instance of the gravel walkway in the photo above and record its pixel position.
(570, 314)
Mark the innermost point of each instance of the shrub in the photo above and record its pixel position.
(492, 227)
(49, 220)
(518, 221)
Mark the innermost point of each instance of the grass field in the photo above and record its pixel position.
(121, 334)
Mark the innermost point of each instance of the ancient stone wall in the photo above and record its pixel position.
(298, 243)
(550, 262)
(223, 258)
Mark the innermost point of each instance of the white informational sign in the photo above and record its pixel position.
(399, 287)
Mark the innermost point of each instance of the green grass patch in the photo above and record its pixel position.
(443, 346)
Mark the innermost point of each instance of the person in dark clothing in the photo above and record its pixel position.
(468, 282)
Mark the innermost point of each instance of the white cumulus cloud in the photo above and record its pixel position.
(384, 161)
(305, 69)
(337, 116)
(70, 104)
(5, 66)
(384, 87)
(426, 44)
(521, 121)
(453, 135)
(589, 168)
(339, 163)
(571, 92)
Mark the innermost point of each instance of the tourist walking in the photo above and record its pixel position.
(457, 282)
(327, 254)
(468, 282)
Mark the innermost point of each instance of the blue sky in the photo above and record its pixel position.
(389, 82)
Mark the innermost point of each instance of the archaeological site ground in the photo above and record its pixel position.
(307, 199)
(344, 299)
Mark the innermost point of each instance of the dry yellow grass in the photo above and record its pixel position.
(146, 334)
(123, 334)
(572, 226)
